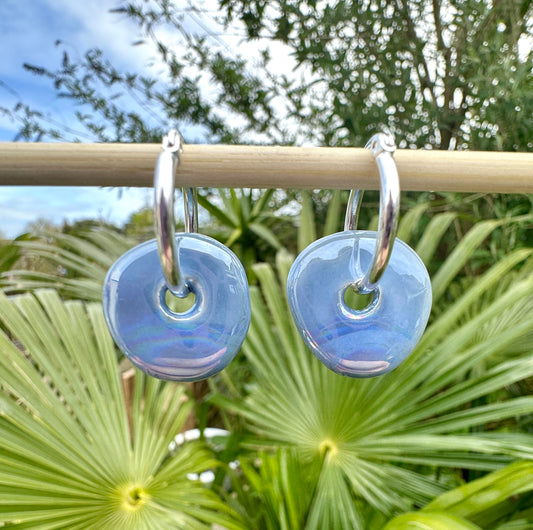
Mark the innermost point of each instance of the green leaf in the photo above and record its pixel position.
(245, 206)
(9, 255)
(484, 493)
(263, 204)
(266, 234)
(233, 237)
(306, 229)
(334, 214)
(463, 252)
(285, 485)
(219, 214)
(236, 205)
(427, 245)
(74, 453)
(410, 221)
(483, 501)
(433, 520)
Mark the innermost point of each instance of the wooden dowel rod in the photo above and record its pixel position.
(235, 166)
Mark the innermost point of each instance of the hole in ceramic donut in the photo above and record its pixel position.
(358, 301)
(179, 305)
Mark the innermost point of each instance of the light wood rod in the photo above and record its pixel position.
(236, 166)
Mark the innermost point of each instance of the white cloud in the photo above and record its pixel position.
(97, 27)
(28, 31)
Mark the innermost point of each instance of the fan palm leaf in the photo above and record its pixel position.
(371, 446)
(387, 442)
(75, 265)
(69, 457)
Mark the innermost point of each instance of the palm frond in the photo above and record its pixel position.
(493, 501)
(410, 221)
(431, 521)
(74, 265)
(386, 437)
(226, 219)
(306, 230)
(464, 251)
(331, 224)
(9, 254)
(68, 456)
(437, 227)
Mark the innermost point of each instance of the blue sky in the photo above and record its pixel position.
(28, 31)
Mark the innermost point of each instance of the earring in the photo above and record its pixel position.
(168, 344)
(374, 340)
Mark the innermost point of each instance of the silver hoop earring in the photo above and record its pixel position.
(376, 339)
(165, 343)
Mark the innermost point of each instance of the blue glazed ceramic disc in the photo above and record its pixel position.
(371, 341)
(187, 346)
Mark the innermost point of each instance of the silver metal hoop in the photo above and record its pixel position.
(382, 147)
(164, 177)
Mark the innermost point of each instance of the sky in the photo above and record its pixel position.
(28, 32)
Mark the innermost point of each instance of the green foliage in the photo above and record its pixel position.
(495, 501)
(73, 455)
(140, 225)
(431, 521)
(313, 220)
(242, 222)
(316, 450)
(74, 265)
(438, 73)
(285, 489)
(443, 74)
(9, 255)
(387, 444)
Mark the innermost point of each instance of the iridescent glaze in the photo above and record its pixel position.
(358, 343)
(187, 346)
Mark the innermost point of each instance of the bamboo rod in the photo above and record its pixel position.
(75, 164)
